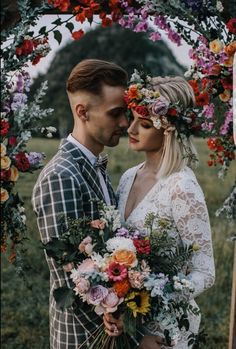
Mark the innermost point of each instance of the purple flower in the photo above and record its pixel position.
(141, 27)
(122, 232)
(155, 36)
(96, 294)
(20, 84)
(208, 110)
(174, 37)
(160, 106)
(18, 101)
(228, 119)
(35, 158)
(160, 22)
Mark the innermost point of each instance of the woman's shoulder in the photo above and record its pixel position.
(183, 180)
(128, 174)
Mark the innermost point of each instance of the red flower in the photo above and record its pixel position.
(62, 4)
(4, 127)
(206, 83)
(12, 141)
(202, 99)
(142, 110)
(22, 162)
(212, 143)
(227, 83)
(231, 25)
(194, 85)
(80, 17)
(172, 112)
(215, 70)
(142, 246)
(78, 34)
(106, 22)
(36, 59)
(26, 48)
(5, 175)
(210, 163)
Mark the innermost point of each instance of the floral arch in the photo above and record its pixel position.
(205, 25)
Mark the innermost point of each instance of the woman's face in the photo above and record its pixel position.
(143, 136)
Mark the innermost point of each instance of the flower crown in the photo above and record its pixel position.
(148, 103)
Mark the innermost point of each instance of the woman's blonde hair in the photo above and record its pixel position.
(175, 155)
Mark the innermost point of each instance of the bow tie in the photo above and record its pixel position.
(101, 162)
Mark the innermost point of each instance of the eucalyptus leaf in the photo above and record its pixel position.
(57, 36)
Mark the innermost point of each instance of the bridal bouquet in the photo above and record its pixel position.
(140, 274)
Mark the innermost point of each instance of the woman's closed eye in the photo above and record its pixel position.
(145, 125)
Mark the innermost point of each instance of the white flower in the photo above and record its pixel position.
(49, 135)
(156, 122)
(120, 243)
(51, 129)
(25, 135)
(219, 6)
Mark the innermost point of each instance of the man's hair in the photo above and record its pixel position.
(91, 74)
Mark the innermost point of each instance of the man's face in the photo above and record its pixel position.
(106, 117)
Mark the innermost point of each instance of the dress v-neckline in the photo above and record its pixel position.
(128, 192)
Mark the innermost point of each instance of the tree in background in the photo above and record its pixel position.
(122, 46)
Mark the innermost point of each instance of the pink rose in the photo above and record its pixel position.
(109, 304)
(160, 106)
(68, 267)
(96, 294)
(85, 242)
(136, 279)
(82, 286)
(97, 224)
(87, 266)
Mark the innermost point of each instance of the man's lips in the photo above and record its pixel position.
(132, 140)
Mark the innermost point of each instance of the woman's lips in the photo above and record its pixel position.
(132, 140)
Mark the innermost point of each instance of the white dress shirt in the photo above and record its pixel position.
(92, 158)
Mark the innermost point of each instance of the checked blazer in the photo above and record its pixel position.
(68, 185)
(65, 187)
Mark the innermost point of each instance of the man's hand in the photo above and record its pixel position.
(114, 327)
(151, 342)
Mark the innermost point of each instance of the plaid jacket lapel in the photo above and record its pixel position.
(86, 168)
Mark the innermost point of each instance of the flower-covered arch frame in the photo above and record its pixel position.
(205, 25)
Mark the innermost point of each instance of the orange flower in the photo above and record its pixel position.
(125, 257)
(231, 48)
(133, 92)
(14, 174)
(225, 96)
(3, 149)
(5, 162)
(121, 287)
(77, 35)
(97, 224)
(4, 195)
(229, 62)
(216, 46)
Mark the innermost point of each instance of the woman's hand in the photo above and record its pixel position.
(114, 327)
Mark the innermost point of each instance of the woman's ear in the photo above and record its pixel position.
(81, 112)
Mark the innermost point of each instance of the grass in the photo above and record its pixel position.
(25, 307)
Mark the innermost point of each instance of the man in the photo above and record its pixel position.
(71, 183)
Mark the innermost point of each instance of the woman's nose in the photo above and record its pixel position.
(132, 128)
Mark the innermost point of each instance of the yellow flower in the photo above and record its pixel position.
(3, 149)
(5, 162)
(225, 96)
(14, 174)
(216, 46)
(4, 195)
(138, 302)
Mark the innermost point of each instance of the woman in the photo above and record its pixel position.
(161, 125)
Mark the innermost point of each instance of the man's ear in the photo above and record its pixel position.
(81, 112)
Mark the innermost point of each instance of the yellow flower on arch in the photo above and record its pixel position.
(138, 302)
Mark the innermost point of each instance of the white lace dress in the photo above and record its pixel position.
(180, 199)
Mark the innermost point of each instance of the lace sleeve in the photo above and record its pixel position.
(191, 218)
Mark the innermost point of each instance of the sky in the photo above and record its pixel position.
(181, 52)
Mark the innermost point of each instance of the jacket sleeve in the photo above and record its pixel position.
(53, 197)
